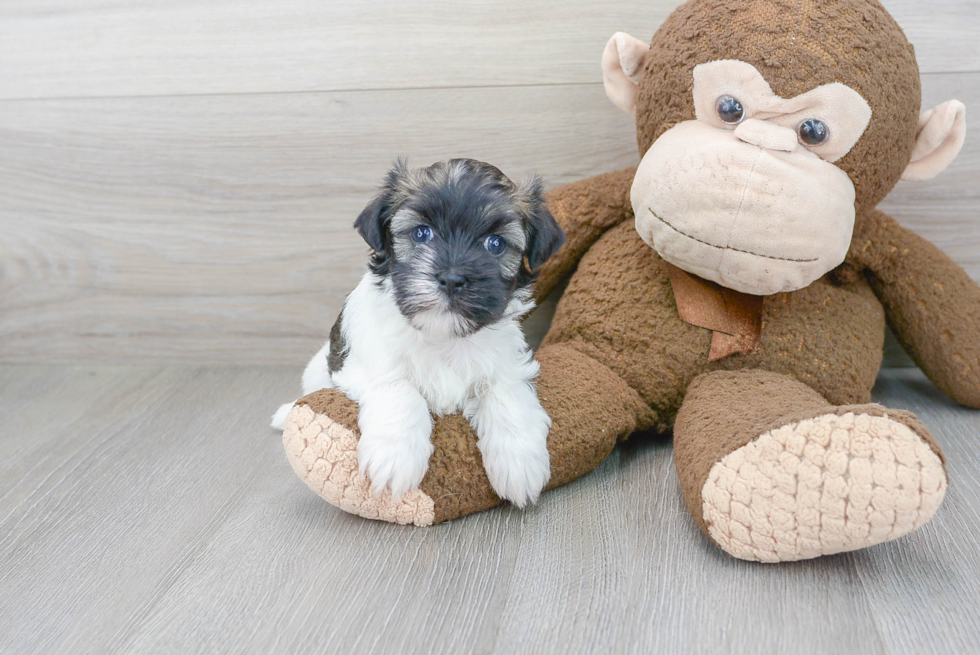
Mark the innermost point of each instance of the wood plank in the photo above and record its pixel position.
(177, 526)
(634, 574)
(131, 492)
(30, 453)
(300, 576)
(120, 552)
(924, 595)
(58, 48)
(218, 228)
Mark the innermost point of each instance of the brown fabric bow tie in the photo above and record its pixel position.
(734, 317)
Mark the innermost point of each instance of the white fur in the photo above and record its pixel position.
(398, 373)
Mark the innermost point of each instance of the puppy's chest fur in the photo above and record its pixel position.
(373, 344)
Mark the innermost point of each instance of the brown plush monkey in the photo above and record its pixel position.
(735, 288)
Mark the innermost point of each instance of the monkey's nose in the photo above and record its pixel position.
(766, 134)
(450, 281)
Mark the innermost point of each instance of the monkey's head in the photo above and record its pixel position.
(765, 127)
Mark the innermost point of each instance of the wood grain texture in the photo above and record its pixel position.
(944, 560)
(218, 228)
(183, 189)
(155, 512)
(60, 48)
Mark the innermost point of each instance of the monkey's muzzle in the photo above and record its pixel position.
(755, 219)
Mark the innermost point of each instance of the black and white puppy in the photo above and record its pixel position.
(434, 325)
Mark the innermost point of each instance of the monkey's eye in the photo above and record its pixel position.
(495, 244)
(422, 233)
(813, 132)
(730, 110)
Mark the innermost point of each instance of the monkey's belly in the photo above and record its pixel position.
(619, 308)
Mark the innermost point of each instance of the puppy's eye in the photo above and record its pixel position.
(422, 233)
(813, 132)
(495, 244)
(730, 110)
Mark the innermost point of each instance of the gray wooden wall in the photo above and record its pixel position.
(178, 177)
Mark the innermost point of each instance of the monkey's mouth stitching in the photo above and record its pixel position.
(747, 252)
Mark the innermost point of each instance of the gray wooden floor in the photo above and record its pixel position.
(150, 509)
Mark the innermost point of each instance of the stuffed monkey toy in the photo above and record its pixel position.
(734, 288)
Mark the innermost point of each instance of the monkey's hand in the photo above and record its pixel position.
(584, 210)
(931, 303)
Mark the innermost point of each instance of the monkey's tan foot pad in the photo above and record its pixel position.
(321, 436)
(323, 453)
(829, 484)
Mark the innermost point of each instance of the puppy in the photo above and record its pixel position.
(434, 325)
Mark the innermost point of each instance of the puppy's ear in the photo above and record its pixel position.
(544, 235)
(372, 223)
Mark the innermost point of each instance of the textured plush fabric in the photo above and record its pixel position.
(619, 309)
(705, 201)
(931, 303)
(726, 411)
(622, 61)
(797, 45)
(619, 358)
(323, 453)
(583, 433)
(585, 210)
(824, 485)
(772, 472)
(842, 108)
(942, 131)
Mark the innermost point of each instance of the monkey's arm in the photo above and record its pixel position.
(931, 303)
(584, 210)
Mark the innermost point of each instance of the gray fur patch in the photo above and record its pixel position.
(449, 276)
(338, 346)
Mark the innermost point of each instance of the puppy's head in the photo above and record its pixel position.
(456, 241)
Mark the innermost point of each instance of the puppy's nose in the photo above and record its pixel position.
(766, 134)
(451, 281)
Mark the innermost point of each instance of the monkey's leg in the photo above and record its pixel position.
(773, 472)
(591, 408)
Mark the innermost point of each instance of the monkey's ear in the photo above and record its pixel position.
(544, 235)
(622, 68)
(940, 136)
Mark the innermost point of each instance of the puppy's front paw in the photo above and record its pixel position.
(518, 465)
(396, 457)
(279, 418)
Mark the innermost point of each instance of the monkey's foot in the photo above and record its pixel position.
(323, 453)
(321, 437)
(828, 484)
